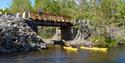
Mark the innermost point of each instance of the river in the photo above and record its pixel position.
(59, 55)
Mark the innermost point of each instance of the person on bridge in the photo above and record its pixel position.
(40, 11)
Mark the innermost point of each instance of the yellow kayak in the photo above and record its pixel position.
(94, 48)
(70, 48)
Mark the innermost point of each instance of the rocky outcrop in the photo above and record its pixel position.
(83, 32)
(16, 35)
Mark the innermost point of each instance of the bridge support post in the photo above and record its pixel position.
(33, 25)
(35, 29)
(66, 33)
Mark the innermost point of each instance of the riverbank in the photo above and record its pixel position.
(71, 42)
(84, 43)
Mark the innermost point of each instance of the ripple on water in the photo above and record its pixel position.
(58, 55)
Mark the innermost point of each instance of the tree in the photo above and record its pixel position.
(6, 10)
(69, 8)
(56, 7)
(37, 4)
(20, 6)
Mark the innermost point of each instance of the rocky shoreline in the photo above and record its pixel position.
(17, 36)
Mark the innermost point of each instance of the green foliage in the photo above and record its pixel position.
(4, 11)
(47, 6)
(57, 7)
(1, 10)
(37, 4)
(99, 40)
(46, 32)
(111, 42)
(105, 13)
(106, 41)
(20, 6)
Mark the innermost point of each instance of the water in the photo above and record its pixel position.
(58, 55)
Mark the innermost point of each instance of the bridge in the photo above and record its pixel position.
(64, 23)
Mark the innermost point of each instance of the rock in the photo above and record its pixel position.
(16, 35)
(120, 43)
(83, 32)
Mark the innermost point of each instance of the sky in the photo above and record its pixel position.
(6, 3)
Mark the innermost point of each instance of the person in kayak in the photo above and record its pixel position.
(64, 43)
(88, 44)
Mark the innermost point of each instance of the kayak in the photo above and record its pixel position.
(94, 48)
(70, 48)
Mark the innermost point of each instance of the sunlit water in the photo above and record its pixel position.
(58, 55)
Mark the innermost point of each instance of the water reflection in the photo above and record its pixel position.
(58, 55)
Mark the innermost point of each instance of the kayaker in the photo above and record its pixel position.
(88, 44)
(64, 43)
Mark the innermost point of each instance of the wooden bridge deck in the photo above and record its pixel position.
(49, 20)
